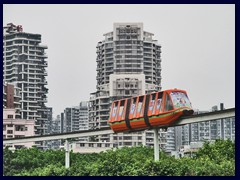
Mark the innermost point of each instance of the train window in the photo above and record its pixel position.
(152, 101)
(140, 105)
(180, 99)
(134, 100)
(159, 102)
(168, 104)
(114, 111)
(121, 108)
(140, 102)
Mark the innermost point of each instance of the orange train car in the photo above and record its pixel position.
(158, 109)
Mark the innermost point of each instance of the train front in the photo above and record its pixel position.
(181, 102)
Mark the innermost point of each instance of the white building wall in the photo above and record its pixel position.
(13, 128)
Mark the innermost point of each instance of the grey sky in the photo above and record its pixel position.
(198, 47)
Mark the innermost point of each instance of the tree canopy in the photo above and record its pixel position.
(213, 159)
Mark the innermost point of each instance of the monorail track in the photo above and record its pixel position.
(182, 121)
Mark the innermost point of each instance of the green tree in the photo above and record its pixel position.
(213, 159)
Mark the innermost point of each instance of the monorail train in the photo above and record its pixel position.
(158, 109)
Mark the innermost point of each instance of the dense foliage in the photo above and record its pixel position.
(216, 159)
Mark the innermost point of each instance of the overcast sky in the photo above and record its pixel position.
(198, 47)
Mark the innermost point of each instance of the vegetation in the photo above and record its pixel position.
(216, 159)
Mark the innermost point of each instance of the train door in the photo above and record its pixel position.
(140, 106)
(132, 113)
(158, 105)
(168, 105)
(152, 101)
(114, 110)
(122, 109)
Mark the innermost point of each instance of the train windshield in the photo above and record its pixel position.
(180, 99)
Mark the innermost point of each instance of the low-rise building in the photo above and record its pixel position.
(16, 128)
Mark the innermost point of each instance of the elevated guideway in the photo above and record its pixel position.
(182, 121)
(210, 116)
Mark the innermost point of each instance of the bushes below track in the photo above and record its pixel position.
(216, 159)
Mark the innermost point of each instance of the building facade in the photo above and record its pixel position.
(83, 119)
(75, 118)
(83, 116)
(49, 121)
(209, 130)
(16, 128)
(48, 126)
(128, 64)
(199, 132)
(12, 98)
(71, 119)
(24, 64)
(55, 127)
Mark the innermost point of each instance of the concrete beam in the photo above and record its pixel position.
(182, 121)
(216, 115)
(70, 135)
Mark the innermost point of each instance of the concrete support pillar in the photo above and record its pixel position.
(67, 154)
(156, 145)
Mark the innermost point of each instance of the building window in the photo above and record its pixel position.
(127, 143)
(19, 136)
(10, 125)
(4, 127)
(10, 116)
(9, 131)
(90, 145)
(19, 127)
(19, 146)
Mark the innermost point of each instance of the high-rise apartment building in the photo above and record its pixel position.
(55, 128)
(48, 126)
(209, 130)
(24, 64)
(75, 118)
(128, 64)
(83, 116)
(48, 122)
(71, 119)
(83, 119)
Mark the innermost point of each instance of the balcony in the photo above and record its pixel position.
(43, 100)
(43, 82)
(43, 46)
(42, 119)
